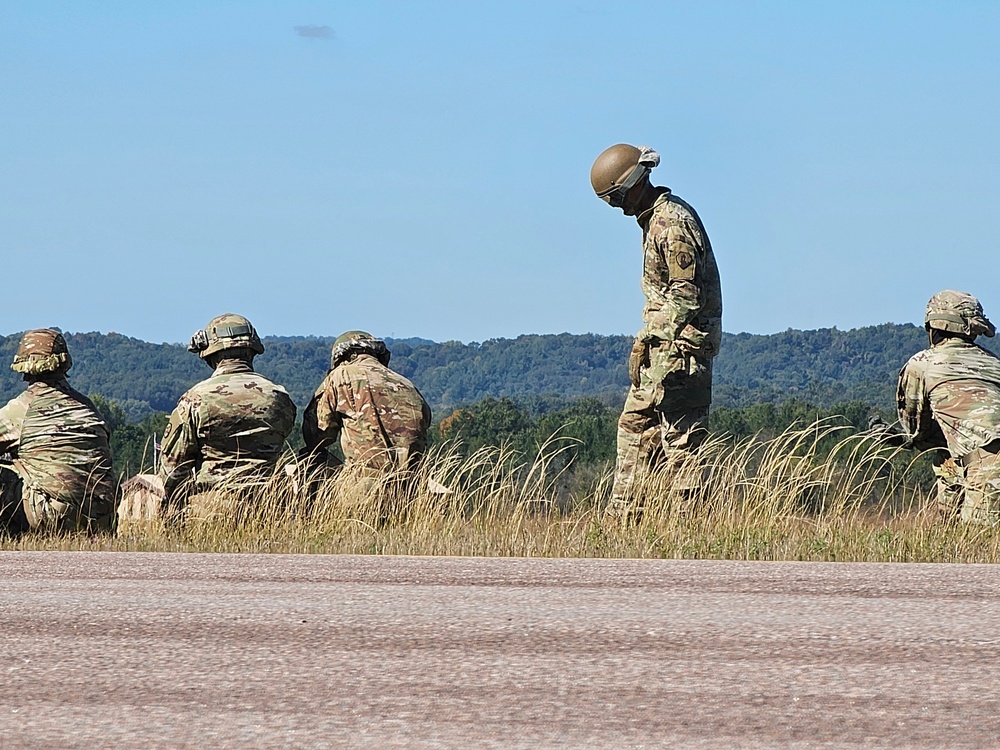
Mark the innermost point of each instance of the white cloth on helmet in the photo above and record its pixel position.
(648, 157)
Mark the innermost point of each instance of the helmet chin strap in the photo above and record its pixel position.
(615, 195)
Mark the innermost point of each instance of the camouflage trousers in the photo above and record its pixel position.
(23, 507)
(12, 518)
(981, 497)
(950, 485)
(658, 430)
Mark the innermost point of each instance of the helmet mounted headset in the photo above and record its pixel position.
(228, 331)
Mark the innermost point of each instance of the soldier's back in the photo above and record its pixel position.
(64, 448)
(962, 383)
(242, 420)
(384, 410)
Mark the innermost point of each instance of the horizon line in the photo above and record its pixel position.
(472, 341)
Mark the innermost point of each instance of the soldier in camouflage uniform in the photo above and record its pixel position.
(235, 423)
(62, 477)
(670, 367)
(379, 417)
(949, 398)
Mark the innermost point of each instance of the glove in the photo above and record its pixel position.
(884, 432)
(877, 424)
(638, 359)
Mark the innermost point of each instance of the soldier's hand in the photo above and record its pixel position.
(877, 424)
(638, 359)
(885, 433)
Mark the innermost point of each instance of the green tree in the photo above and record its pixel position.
(132, 443)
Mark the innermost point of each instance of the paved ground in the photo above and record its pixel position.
(248, 651)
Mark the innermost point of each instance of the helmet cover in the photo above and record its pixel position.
(226, 331)
(41, 351)
(957, 312)
(358, 342)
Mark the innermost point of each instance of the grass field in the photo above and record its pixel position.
(808, 494)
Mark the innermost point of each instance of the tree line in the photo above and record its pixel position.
(822, 367)
(517, 392)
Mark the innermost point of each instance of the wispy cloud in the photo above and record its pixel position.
(314, 32)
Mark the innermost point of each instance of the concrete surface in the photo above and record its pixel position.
(254, 651)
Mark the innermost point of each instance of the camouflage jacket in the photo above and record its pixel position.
(950, 395)
(60, 442)
(235, 421)
(680, 280)
(378, 415)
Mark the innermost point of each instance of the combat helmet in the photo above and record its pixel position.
(358, 342)
(42, 351)
(957, 312)
(619, 169)
(227, 331)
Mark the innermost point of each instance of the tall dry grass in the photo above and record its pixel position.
(792, 497)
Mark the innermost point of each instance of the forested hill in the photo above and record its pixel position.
(825, 367)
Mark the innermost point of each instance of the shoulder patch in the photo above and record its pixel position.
(681, 261)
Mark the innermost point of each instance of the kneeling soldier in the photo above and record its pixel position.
(949, 398)
(234, 422)
(379, 417)
(62, 478)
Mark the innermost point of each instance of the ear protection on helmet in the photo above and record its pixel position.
(199, 341)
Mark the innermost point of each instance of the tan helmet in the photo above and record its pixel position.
(620, 168)
(957, 312)
(227, 331)
(358, 342)
(42, 351)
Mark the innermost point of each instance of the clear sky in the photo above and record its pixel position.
(422, 168)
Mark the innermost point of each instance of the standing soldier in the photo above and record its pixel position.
(62, 478)
(379, 417)
(233, 423)
(949, 397)
(666, 410)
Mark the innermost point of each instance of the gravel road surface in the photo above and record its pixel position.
(257, 651)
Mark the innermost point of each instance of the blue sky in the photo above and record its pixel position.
(421, 169)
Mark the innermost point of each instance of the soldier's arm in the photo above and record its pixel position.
(683, 249)
(425, 420)
(915, 415)
(310, 430)
(11, 421)
(320, 421)
(286, 418)
(179, 455)
(887, 434)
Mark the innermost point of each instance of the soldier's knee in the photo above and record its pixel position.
(635, 423)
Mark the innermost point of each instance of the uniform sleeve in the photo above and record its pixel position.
(425, 422)
(11, 421)
(682, 248)
(180, 452)
(286, 420)
(915, 415)
(321, 422)
(293, 412)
